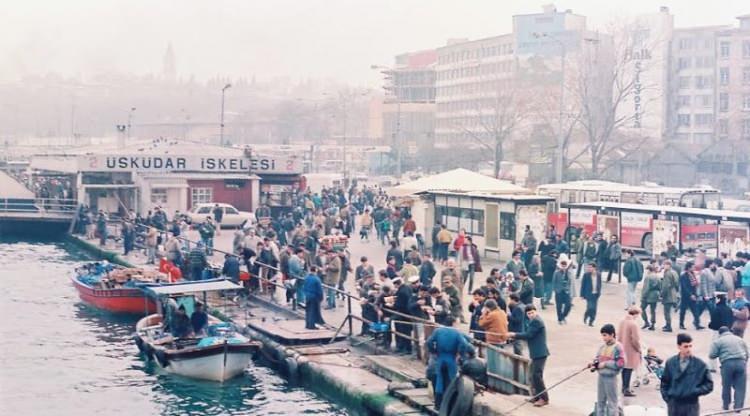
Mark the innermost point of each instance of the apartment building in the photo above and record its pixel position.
(693, 85)
(469, 76)
(733, 81)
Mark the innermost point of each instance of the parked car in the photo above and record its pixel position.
(232, 217)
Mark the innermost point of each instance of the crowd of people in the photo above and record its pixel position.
(418, 291)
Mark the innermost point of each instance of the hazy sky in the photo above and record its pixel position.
(326, 39)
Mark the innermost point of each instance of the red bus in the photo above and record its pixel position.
(648, 227)
(634, 228)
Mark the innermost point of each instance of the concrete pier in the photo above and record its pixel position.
(349, 370)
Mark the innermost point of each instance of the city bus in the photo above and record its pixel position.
(713, 230)
(635, 228)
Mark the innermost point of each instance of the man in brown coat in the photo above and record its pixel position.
(331, 279)
(630, 338)
(494, 321)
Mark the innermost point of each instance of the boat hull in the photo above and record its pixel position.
(220, 364)
(130, 301)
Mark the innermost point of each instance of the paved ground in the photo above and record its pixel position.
(571, 345)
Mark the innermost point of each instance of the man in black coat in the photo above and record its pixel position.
(549, 264)
(685, 379)
(536, 336)
(401, 304)
(516, 319)
(591, 289)
(689, 295)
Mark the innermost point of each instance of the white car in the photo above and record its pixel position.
(232, 217)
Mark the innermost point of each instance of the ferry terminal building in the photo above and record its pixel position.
(174, 175)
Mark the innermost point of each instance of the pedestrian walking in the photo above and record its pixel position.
(549, 265)
(614, 256)
(685, 379)
(516, 320)
(722, 316)
(591, 289)
(313, 289)
(562, 281)
(650, 293)
(669, 289)
(707, 288)
(630, 338)
(732, 353)
(536, 337)
(633, 271)
(608, 362)
(689, 295)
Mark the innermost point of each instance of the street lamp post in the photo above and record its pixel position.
(560, 134)
(130, 120)
(221, 133)
(397, 130)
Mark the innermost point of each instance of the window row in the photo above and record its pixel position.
(725, 49)
(475, 71)
(698, 100)
(477, 53)
(478, 104)
(471, 88)
(699, 62)
(684, 120)
(699, 82)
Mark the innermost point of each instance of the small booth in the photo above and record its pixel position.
(419, 195)
(496, 222)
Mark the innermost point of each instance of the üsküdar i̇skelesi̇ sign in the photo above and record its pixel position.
(188, 163)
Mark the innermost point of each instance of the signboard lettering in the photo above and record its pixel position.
(191, 163)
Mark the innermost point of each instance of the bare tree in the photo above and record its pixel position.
(495, 117)
(607, 81)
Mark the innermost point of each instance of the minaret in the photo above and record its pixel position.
(170, 68)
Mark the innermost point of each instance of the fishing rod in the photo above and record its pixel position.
(529, 400)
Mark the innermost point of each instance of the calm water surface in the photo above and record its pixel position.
(61, 357)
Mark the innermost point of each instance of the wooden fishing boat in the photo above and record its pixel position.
(218, 354)
(114, 289)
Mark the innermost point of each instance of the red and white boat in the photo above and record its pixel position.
(116, 290)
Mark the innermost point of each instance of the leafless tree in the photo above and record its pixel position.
(495, 117)
(607, 80)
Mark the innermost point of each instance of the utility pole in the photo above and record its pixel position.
(221, 133)
(397, 131)
(560, 134)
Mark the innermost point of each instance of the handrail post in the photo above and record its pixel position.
(349, 316)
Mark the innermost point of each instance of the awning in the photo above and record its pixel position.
(192, 287)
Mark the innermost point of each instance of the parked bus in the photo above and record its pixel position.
(635, 228)
(648, 227)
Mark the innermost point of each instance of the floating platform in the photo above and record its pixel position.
(292, 331)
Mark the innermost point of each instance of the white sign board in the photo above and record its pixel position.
(733, 238)
(535, 216)
(582, 216)
(189, 163)
(664, 230)
(635, 220)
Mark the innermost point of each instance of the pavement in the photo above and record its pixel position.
(572, 345)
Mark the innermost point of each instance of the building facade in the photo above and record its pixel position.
(408, 113)
(733, 79)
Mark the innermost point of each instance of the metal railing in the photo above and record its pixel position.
(506, 372)
(41, 206)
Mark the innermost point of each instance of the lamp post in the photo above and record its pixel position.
(560, 138)
(221, 133)
(397, 130)
(130, 119)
